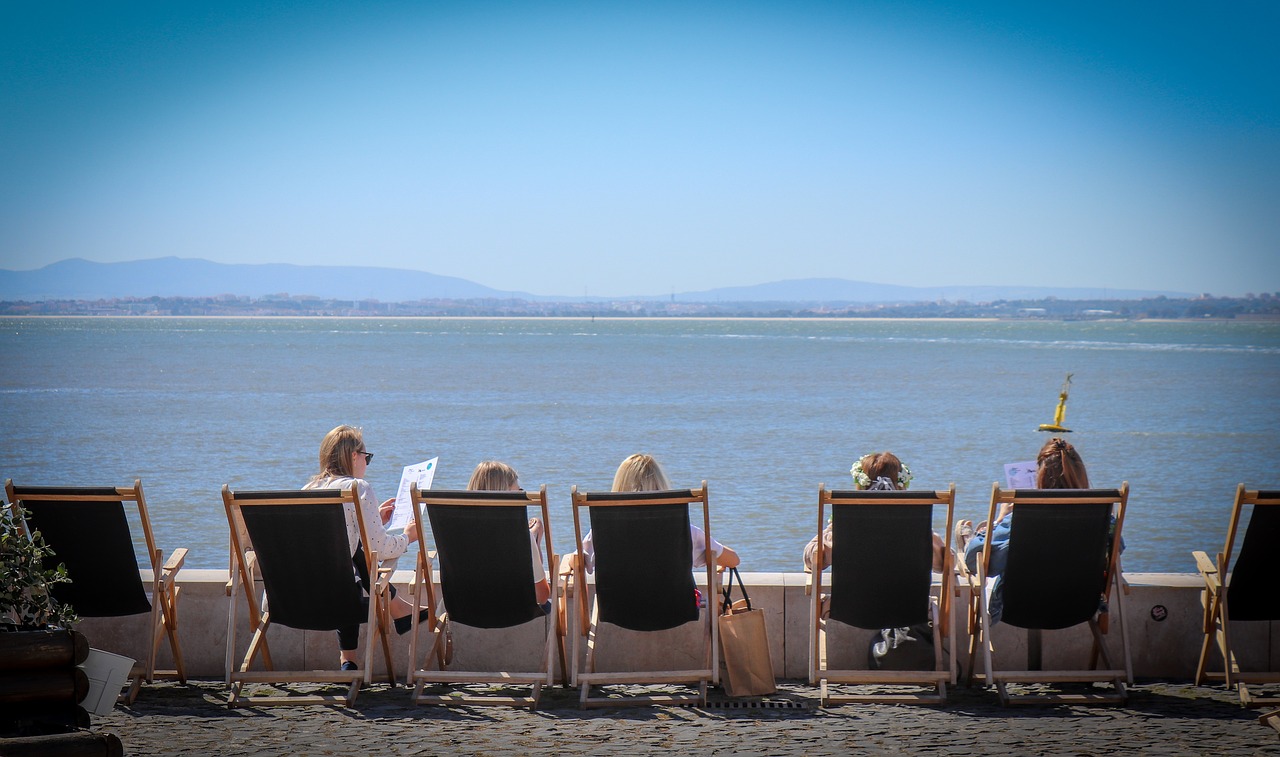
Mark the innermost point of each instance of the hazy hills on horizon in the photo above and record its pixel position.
(79, 279)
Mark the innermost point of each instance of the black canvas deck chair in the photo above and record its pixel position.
(882, 579)
(1063, 564)
(1247, 589)
(486, 579)
(295, 543)
(88, 530)
(643, 582)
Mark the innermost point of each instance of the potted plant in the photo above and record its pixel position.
(26, 599)
(38, 650)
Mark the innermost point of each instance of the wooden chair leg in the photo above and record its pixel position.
(384, 621)
(560, 652)
(1203, 666)
(257, 644)
(1229, 667)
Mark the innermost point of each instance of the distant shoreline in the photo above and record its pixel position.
(589, 318)
(1265, 307)
(592, 319)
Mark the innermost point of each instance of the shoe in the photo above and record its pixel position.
(963, 533)
(349, 665)
(405, 624)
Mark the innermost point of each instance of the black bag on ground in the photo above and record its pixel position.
(909, 648)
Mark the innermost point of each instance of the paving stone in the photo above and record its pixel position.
(1160, 718)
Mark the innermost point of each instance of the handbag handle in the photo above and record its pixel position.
(728, 591)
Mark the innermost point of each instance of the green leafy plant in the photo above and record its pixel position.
(25, 599)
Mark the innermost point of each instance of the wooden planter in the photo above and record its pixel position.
(40, 686)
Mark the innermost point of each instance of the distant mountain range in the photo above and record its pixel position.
(77, 279)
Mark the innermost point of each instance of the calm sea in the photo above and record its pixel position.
(765, 411)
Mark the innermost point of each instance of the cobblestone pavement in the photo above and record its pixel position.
(1159, 719)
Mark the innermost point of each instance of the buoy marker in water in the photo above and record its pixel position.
(1060, 412)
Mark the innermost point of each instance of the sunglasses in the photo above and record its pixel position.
(368, 456)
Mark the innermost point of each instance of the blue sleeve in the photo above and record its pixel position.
(999, 549)
(1000, 545)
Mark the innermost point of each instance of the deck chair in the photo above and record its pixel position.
(295, 543)
(89, 532)
(884, 583)
(1245, 590)
(1062, 566)
(643, 582)
(486, 579)
(1271, 718)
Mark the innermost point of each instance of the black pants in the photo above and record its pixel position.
(349, 636)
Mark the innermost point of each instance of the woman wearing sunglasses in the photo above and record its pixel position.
(343, 461)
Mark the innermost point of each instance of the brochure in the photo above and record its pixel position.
(1020, 475)
(422, 474)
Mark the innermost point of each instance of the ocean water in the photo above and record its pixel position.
(763, 410)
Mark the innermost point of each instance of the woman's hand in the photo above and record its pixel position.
(1005, 509)
(386, 509)
(412, 532)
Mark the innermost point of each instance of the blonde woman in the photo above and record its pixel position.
(343, 462)
(493, 476)
(641, 473)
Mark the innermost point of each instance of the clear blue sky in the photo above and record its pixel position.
(640, 148)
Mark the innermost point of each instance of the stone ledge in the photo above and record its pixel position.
(1162, 614)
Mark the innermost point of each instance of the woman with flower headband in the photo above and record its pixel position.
(1058, 466)
(876, 471)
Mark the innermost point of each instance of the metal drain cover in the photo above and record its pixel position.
(758, 704)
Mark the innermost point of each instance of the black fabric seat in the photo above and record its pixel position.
(643, 582)
(1242, 590)
(295, 543)
(1062, 571)
(662, 595)
(881, 559)
(483, 549)
(88, 530)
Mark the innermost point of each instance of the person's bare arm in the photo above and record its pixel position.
(939, 547)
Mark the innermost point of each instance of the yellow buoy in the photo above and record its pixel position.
(1060, 412)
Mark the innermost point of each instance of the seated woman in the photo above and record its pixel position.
(493, 476)
(873, 472)
(1058, 466)
(641, 473)
(880, 471)
(343, 461)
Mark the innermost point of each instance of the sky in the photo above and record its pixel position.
(615, 148)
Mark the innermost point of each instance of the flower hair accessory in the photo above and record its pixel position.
(863, 481)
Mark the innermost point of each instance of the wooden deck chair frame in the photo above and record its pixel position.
(1098, 623)
(1271, 719)
(164, 587)
(588, 610)
(437, 622)
(939, 609)
(246, 573)
(1219, 585)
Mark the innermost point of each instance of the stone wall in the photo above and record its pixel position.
(1161, 613)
